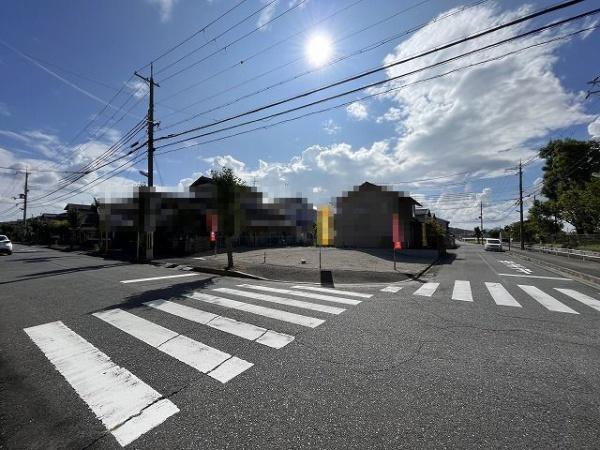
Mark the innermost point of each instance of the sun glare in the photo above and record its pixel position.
(318, 50)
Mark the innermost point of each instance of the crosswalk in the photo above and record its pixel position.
(462, 290)
(126, 405)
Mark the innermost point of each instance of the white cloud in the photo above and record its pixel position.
(4, 111)
(357, 110)
(594, 129)
(392, 115)
(460, 122)
(317, 190)
(165, 8)
(138, 88)
(266, 14)
(331, 127)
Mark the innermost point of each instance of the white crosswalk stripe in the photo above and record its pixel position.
(271, 313)
(241, 329)
(546, 300)
(500, 295)
(333, 291)
(427, 290)
(328, 298)
(193, 353)
(585, 299)
(125, 405)
(392, 289)
(282, 301)
(462, 291)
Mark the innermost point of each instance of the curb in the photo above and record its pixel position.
(580, 276)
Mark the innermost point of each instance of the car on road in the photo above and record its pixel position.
(5, 245)
(492, 245)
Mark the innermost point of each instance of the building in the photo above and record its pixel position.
(372, 216)
(187, 222)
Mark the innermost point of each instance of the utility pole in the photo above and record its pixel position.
(25, 203)
(151, 124)
(521, 205)
(147, 225)
(481, 217)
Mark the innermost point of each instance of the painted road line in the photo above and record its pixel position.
(276, 314)
(125, 405)
(327, 298)
(462, 291)
(546, 300)
(392, 289)
(534, 276)
(427, 290)
(585, 299)
(241, 329)
(333, 291)
(193, 353)
(282, 301)
(500, 295)
(139, 280)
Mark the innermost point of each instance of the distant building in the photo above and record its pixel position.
(365, 218)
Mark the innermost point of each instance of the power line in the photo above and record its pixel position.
(361, 51)
(402, 61)
(360, 99)
(228, 45)
(237, 24)
(270, 47)
(193, 35)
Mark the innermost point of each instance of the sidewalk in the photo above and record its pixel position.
(345, 265)
(587, 270)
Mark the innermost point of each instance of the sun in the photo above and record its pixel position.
(318, 49)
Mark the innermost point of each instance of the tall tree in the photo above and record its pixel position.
(229, 187)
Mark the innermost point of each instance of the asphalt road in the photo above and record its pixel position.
(516, 369)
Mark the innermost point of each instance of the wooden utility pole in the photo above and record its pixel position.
(521, 205)
(481, 217)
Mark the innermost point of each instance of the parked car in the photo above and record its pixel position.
(493, 245)
(5, 245)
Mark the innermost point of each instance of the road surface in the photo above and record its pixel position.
(483, 352)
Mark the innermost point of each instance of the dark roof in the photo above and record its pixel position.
(77, 206)
(202, 180)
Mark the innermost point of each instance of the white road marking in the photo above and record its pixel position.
(534, 276)
(427, 290)
(283, 301)
(200, 258)
(462, 291)
(276, 314)
(333, 291)
(392, 289)
(139, 280)
(241, 329)
(125, 405)
(328, 298)
(193, 353)
(546, 300)
(516, 266)
(500, 295)
(585, 299)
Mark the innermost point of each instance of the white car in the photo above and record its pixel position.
(5, 245)
(493, 245)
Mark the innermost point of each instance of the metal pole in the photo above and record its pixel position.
(25, 205)
(394, 258)
(320, 247)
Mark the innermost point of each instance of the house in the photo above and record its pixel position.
(372, 216)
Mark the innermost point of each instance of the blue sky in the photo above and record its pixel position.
(62, 61)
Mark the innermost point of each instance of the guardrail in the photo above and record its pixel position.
(568, 252)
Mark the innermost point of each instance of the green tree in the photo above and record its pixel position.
(543, 218)
(568, 169)
(229, 187)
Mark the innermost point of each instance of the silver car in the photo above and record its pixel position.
(5, 245)
(493, 245)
